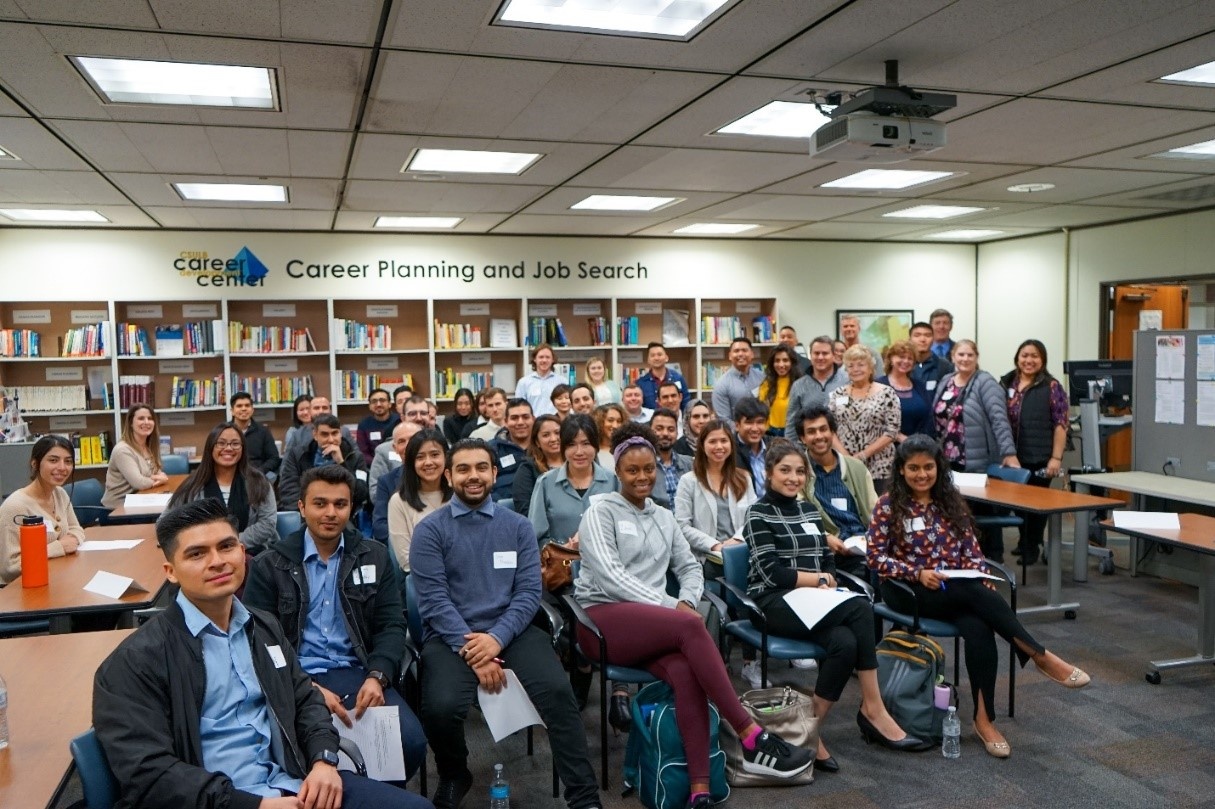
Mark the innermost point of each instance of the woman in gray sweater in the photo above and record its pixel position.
(971, 415)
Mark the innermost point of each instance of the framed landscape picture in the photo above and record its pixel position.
(879, 328)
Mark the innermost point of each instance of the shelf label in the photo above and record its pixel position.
(588, 310)
(146, 310)
(629, 357)
(383, 310)
(649, 308)
(470, 309)
(208, 310)
(747, 307)
(176, 366)
(713, 353)
(26, 316)
(70, 373)
(280, 366)
(565, 355)
(474, 359)
(543, 310)
(383, 363)
(176, 419)
(69, 423)
(265, 414)
(710, 307)
(278, 310)
(82, 316)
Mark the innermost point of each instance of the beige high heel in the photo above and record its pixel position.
(994, 749)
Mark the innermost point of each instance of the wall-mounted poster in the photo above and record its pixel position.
(878, 328)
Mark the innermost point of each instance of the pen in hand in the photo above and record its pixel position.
(942, 581)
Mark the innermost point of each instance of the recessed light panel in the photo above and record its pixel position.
(231, 192)
(48, 215)
(668, 19)
(714, 229)
(622, 202)
(932, 212)
(1195, 151)
(138, 81)
(432, 222)
(1202, 74)
(778, 119)
(882, 179)
(964, 234)
(5, 154)
(466, 161)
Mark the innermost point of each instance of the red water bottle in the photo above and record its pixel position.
(34, 571)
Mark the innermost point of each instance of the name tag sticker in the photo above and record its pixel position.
(507, 461)
(916, 524)
(361, 474)
(947, 395)
(366, 574)
(930, 384)
(376, 435)
(839, 502)
(505, 559)
(810, 528)
(627, 529)
(1012, 392)
(276, 655)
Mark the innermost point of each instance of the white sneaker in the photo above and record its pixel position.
(805, 663)
(751, 673)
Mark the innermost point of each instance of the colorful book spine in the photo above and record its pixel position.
(457, 335)
(449, 380)
(20, 343)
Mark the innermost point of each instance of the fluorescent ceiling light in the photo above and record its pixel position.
(417, 221)
(136, 81)
(621, 202)
(1195, 151)
(964, 234)
(48, 215)
(674, 19)
(778, 119)
(714, 229)
(887, 178)
(232, 192)
(5, 154)
(932, 212)
(1202, 74)
(465, 161)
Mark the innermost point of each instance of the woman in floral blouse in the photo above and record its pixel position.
(922, 528)
(868, 415)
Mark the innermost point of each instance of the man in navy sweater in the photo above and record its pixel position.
(476, 569)
(376, 428)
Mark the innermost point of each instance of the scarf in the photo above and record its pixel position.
(238, 500)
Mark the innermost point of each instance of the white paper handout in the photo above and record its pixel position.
(509, 710)
(155, 500)
(1160, 520)
(857, 545)
(969, 480)
(812, 603)
(111, 585)
(107, 545)
(967, 573)
(378, 735)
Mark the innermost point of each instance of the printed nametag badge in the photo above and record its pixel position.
(376, 435)
(276, 656)
(393, 455)
(505, 559)
(839, 502)
(365, 575)
(947, 395)
(1012, 392)
(507, 461)
(361, 474)
(930, 384)
(627, 529)
(915, 524)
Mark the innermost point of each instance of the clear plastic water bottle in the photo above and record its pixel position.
(499, 790)
(951, 732)
(3, 714)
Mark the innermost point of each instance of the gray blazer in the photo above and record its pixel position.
(696, 513)
(988, 435)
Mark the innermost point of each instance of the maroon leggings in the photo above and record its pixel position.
(675, 647)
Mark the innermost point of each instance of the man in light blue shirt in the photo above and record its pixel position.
(742, 380)
(751, 423)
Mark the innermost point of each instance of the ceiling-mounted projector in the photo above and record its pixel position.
(881, 124)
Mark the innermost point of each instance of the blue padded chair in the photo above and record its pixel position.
(175, 464)
(933, 627)
(751, 628)
(1004, 519)
(288, 522)
(85, 495)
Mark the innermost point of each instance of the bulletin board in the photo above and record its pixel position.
(1174, 403)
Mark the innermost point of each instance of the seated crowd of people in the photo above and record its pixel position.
(832, 466)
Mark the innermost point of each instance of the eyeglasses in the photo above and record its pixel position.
(229, 444)
(379, 400)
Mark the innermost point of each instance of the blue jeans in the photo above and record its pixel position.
(345, 682)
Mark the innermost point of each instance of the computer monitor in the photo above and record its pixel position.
(1116, 376)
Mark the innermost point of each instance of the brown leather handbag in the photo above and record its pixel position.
(556, 566)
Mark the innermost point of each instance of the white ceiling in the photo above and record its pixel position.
(1057, 91)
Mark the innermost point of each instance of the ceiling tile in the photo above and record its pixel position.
(58, 188)
(156, 190)
(470, 223)
(560, 200)
(842, 230)
(876, 214)
(118, 13)
(690, 169)
(820, 171)
(1066, 216)
(540, 225)
(37, 148)
(241, 219)
(405, 196)
(119, 216)
(788, 207)
(1071, 185)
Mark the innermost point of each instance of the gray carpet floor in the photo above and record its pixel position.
(1120, 742)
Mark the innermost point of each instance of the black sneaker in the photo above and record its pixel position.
(775, 757)
(451, 792)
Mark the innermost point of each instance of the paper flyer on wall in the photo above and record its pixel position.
(1170, 402)
(1170, 356)
(1206, 358)
(1206, 404)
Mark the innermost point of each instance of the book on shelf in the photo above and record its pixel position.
(272, 389)
(763, 329)
(246, 339)
(355, 336)
(203, 337)
(188, 392)
(546, 330)
(597, 330)
(170, 341)
(457, 335)
(132, 340)
(91, 449)
(20, 343)
(358, 385)
(136, 389)
(50, 397)
(84, 341)
(628, 330)
(449, 380)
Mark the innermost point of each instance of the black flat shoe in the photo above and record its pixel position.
(828, 764)
(619, 714)
(909, 744)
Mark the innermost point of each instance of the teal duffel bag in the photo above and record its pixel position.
(654, 763)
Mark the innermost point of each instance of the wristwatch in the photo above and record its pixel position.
(326, 756)
(823, 581)
(380, 677)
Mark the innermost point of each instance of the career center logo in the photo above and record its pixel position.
(242, 270)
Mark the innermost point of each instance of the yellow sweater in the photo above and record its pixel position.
(780, 402)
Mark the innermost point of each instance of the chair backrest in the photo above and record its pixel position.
(175, 464)
(414, 617)
(1012, 474)
(85, 492)
(98, 784)
(735, 561)
(288, 522)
